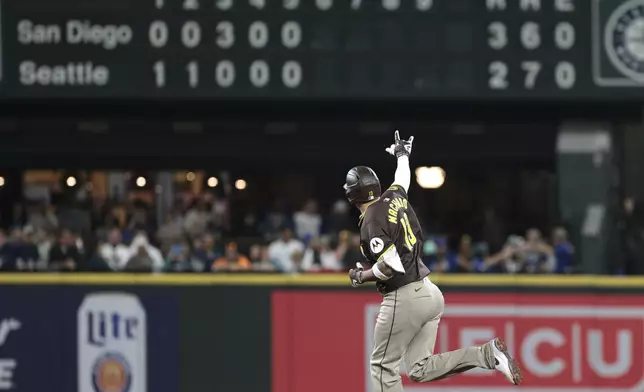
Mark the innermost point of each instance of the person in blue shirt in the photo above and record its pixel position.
(435, 254)
(564, 251)
(464, 260)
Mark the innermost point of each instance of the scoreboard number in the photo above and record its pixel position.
(564, 35)
(225, 74)
(498, 35)
(565, 75)
(225, 34)
(291, 34)
(158, 34)
(193, 74)
(258, 35)
(159, 73)
(498, 76)
(532, 69)
(191, 34)
(530, 36)
(291, 74)
(259, 73)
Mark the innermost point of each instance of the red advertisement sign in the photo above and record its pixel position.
(321, 341)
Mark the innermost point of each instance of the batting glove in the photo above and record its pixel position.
(355, 275)
(400, 147)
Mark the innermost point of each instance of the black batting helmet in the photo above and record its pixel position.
(362, 185)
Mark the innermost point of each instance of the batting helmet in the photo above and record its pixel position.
(362, 185)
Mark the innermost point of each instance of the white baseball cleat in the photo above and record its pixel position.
(505, 363)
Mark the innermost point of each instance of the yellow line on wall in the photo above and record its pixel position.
(312, 280)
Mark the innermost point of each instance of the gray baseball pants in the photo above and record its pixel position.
(406, 327)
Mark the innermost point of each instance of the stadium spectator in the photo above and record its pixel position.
(231, 261)
(340, 218)
(117, 216)
(75, 217)
(493, 230)
(537, 255)
(171, 231)
(631, 234)
(114, 252)
(178, 259)
(511, 257)
(249, 226)
(43, 217)
(140, 261)
(320, 257)
(563, 251)
(29, 255)
(348, 249)
(286, 251)
(464, 259)
(298, 256)
(436, 255)
(143, 256)
(65, 255)
(140, 222)
(275, 220)
(204, 252)
(220, 213)
(197, 219)
(260, 259)
(12, 250)
(308, 222)
(3, 251)
(44, 241)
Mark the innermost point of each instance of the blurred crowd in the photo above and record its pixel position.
(204, 234)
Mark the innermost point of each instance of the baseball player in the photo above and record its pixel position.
(391, 240)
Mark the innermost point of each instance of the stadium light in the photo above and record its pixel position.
(430, 177)
(240, 184)
(71, 181)
(1, 181)
(140, 182)
(213, 182)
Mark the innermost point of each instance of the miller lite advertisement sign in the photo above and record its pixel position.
(112, 343)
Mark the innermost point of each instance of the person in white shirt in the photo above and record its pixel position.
(320, 257)
(308, 222)
(284, 251)
(114, 252)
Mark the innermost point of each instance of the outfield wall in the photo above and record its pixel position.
(255, 333)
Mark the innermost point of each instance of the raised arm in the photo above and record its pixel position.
(402, 177)
(401, 149)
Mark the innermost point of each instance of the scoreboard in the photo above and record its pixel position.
(553, 50)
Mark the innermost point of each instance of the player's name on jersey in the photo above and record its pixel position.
(396, 204)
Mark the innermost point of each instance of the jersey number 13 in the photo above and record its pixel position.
(410, 238)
